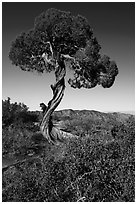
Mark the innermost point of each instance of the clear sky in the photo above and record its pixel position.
(113, 25)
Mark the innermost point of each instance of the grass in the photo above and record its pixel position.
(99, 166)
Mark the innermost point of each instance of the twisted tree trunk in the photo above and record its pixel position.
(48, 130)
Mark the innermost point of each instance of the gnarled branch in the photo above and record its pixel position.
(49, 131)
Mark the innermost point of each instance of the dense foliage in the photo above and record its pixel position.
(99, 166)
(59, 34)
(65, 32)
(17, 123)
(16, 113)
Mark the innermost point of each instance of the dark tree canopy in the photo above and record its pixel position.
(59, 34)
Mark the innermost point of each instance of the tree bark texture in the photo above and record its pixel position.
(51, 132)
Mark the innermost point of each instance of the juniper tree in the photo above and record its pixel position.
(59, 41)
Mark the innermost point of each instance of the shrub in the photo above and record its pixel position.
(93, 168)
(13, 113)
(88, 171)
(16, 141)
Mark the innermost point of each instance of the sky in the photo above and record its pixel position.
(114, 26)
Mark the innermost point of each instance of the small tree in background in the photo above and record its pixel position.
(16, 113)
(59, 41)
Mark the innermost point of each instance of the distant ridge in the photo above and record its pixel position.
(128, 112)
(91, 115)
(125, 112)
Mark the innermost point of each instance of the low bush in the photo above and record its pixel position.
(86, 171)
(13, 113)
(96, 167)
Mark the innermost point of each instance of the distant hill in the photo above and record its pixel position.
(90, 122)
(128, 112)
(91, 114)
(86, 115)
